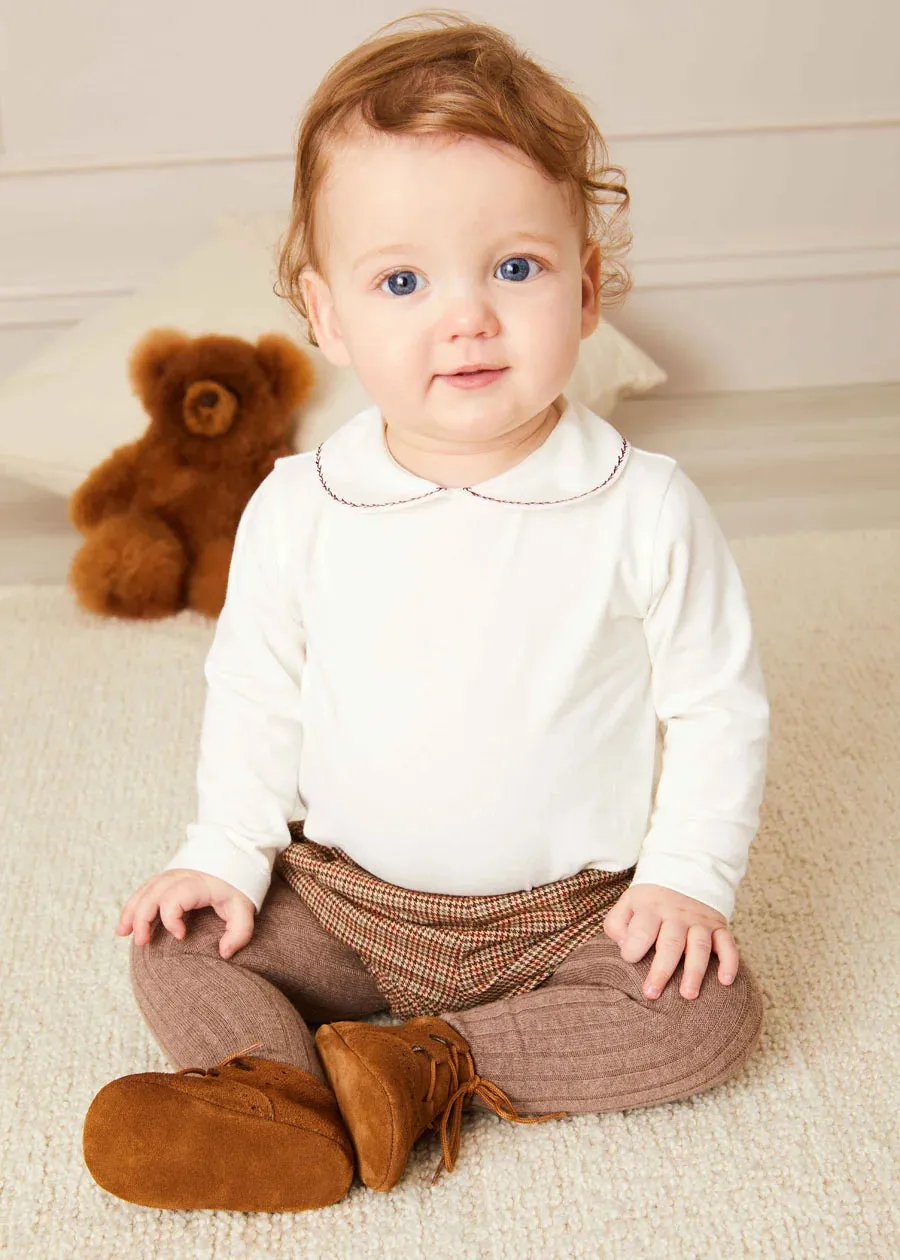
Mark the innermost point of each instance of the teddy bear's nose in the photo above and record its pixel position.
(209, 409)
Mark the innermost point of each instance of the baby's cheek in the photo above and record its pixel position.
(397, 384)
(546, 350)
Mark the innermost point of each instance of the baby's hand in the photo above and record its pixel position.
(173, 892)
(648, 912)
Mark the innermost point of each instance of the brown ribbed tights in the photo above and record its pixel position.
(585, 1040)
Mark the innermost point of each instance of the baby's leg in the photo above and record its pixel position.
(201, 1007)
(588, 1040)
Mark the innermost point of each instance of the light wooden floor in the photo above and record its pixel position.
(768, 462)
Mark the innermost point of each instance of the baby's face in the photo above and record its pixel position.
(457, 280)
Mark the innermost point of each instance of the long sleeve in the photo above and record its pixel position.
(709, 693)
(247, 775)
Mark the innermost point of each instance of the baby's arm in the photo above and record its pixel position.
(247, 775)
(709, 693)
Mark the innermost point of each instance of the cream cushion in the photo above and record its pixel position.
(70, 406)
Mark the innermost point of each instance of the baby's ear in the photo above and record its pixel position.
(323, 321)
(150, 356)
(290, 371)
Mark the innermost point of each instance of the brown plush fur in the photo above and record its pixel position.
(160, 514)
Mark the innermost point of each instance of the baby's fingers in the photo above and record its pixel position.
(144, 914)
(171, 916)
(241, 920)
(126, 914)
(723, 944)
(669, 948)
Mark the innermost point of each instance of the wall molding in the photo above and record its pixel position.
(825, 331)
(758, 267)
(33, 307)
(24, 306)
(790, 284)
(12, 167)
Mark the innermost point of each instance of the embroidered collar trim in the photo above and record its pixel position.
(582, 455)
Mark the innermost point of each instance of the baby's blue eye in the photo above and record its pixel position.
(516, 269)
(401, 282)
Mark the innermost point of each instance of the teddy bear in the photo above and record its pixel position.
(160, 514)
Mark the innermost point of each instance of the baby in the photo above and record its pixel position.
(428, 779)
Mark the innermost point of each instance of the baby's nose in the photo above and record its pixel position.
(471, 314)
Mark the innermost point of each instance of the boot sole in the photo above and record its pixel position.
(249, 1165)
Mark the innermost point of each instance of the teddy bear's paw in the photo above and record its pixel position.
(208, 581)
(130, 566)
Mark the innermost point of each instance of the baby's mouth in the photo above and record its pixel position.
(464, 376)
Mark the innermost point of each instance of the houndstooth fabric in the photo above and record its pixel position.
(436, 952)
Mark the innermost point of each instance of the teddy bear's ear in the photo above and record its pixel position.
(290, 371)
(150, 355)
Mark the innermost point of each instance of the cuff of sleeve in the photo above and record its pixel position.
(212, 852)
(690, 877)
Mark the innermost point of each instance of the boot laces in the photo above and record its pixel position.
(214, 1071)
(461, 1095)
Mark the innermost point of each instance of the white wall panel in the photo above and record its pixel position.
(761, 144)
(711, 202)
(128, 77)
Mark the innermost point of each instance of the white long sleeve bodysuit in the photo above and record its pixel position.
(468, 689)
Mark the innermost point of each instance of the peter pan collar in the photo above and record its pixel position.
(582, 455)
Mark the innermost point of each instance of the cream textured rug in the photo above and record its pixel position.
(793, 1158)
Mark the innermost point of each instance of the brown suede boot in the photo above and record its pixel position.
(249, 1135)
(393, 1082)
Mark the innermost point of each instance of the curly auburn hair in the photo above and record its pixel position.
(459, 78)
